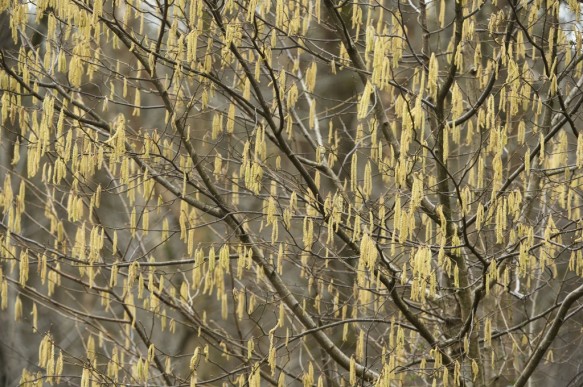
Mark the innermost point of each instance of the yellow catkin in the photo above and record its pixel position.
(24, 262)
(17, 309)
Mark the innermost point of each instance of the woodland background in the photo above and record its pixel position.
(311, 192)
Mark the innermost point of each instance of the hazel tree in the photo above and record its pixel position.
(313, 192)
